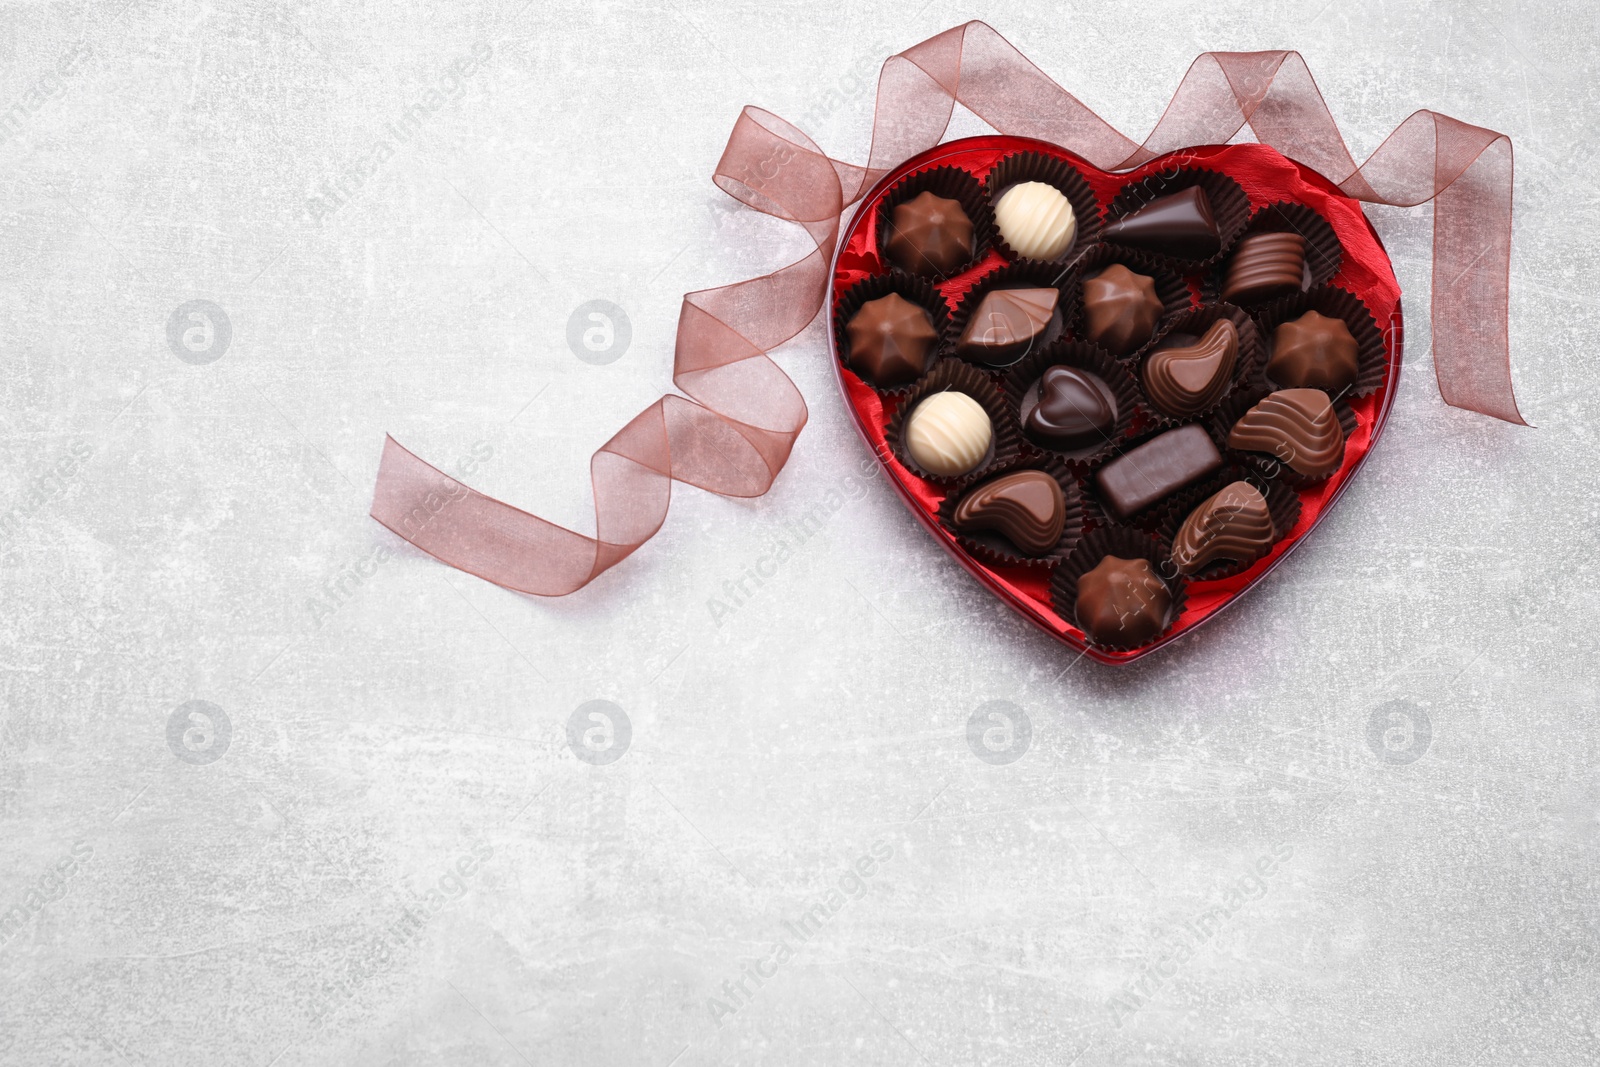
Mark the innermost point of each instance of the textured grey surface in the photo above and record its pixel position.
(397, 858)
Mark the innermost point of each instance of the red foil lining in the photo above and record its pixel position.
(732, 430)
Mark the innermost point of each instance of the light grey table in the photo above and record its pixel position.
(377, 847)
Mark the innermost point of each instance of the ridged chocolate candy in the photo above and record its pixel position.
(949, 434)
(1025, 507)
(929, 235)
(1122, 602)
(1314, 352)
(1186, 380)
(1180, 224)
(1234, 523)
(1075, 410)
(1265, 265)
(1006, 325)
(1120, 309)
(1298, 426)
(1036, 220)
(891, 340)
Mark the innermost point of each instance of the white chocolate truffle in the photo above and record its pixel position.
(1036, 220)
(948, 434)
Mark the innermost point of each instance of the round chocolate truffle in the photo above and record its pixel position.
(1036, 220)
(1123, 602)
(929, 235)
(949, 434)
(891, 340)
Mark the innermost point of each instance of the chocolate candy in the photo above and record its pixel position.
(1184, 381)
(891, 340)
(1159, 467)
(1027, 508)
(1036, 220)
(949, 434)
(1006, 325)
(1180, 224)
(1313, 352)
(1075, 409)
(1298, 426)
(1265, 265)
(1122, 602)
(929, 235)
(1120, 309)
(1234, 523)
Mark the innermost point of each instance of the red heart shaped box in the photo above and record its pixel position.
(1267, 177)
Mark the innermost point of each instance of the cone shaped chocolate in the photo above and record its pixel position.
(1179, 225)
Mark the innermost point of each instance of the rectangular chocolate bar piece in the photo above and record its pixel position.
(1161, 466)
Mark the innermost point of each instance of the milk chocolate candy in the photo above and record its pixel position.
(1180, 224)
(1298, 427)
(1120, 309)
(1036, 220)
(1123, 602)
(1263, 266)
(1185, 380)
(1006, 325)
(1232, 524)
(1075, 410)
(1027, 508)
(1156, 469)
(891, 341)
(929, 235)
(949, 434)
(1313, 352)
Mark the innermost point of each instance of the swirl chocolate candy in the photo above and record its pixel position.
(949, 434)
(1027, 508)
(1234, 523)
(929, 235)
(891, 341)
(1298, 426)
(1123, 602)
(1036, 220)
(1265, 265)
(1075, 410)
(1120, 309)
(1180, 224)
(1186, 380)
(1314, 352)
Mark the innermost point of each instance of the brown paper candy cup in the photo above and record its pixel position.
(1124, 543)
(1230, 207)
(1021, 274)
(1171, 288)
(1026, 166)
(1021, 392)
(1266, 465)
(1324, 253)
(952, 375)
(995, 548)
(952, 183)
(919, 291)
(1187, 328)
(1283, 504)
(1372, 357)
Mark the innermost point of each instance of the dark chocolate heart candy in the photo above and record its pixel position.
(1075, 410)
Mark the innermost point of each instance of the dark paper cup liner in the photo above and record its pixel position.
(1021, 391)
(1124, 543)
(1021, 274)
(1282, 503)
(1230, 206)
(1022, 167)
(1263, 463)
(919, 291)
(1186, 329)
(1324, 253)
(993, 547)
(1372, 358)
(954, 376)
(1171, 288)
(952, 183)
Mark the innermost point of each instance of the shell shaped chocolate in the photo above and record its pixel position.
(1185, 381)
(1265, 265)
(1298, 426)
(1234, 523)
(1027, 508)
(929, 235)
(949, 434)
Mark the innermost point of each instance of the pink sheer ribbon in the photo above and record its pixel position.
(732, 430)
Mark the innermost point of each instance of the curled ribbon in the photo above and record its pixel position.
(732, 430)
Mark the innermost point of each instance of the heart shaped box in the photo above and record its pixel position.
(1267, 177)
